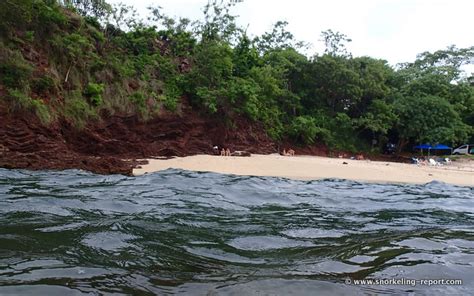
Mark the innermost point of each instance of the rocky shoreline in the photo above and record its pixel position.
(111, 145)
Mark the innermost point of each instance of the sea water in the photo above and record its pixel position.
(191, 233)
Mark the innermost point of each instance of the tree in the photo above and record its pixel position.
(42, 16)
(95, 8)
(446, 62)
(15, 14)
(429, 119)
(334, 84)
(379, 118)
(289, 64)
(245, 57)
(305, 129)
(218, 23)
(335, 43)
(122, 16)
(374, 82)
(270, 89)
(212, 67)
(75, 48)
(278, 38)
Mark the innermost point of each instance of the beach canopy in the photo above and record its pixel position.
(423, 146)
(435, 147)
(441, 147)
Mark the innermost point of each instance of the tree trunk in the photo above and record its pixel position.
(401, 143)
(68, 72)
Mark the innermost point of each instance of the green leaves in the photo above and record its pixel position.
(111, 59)
(15, 71)
(437, 104)
(430, 119)
(245, 57)
(304, 129)
(335, 43)
(94, 91)
(379, 118)
(20, 101)
(335, 83)
(219, 24)
(208, 98)
(279, 38)
(96, 8)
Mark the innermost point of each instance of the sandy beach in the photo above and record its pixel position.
(312, 167)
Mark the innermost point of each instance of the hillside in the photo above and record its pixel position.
(54, 117)
(86, 85)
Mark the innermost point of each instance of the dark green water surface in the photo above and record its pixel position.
(178, 232)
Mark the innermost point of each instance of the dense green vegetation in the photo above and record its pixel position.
(74, 58)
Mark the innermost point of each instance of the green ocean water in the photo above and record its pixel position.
(189, 233)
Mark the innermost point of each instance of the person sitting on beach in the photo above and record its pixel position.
(423, 161)
(227, 152)
(359, 157)
(290, 152)
(223, 152)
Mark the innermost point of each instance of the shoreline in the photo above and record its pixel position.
(316, 167)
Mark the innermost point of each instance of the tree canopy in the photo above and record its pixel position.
(111, 59)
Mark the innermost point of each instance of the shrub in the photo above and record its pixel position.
(49, 13)
(305, 130)
(93, 21)
(121, 68)
(14, 14)
(94, 91)
(30, 36)
(77, 110)
(139, 100)
(73, 49)
(171, 96)
(15, 71)
(207, 98)
(271, 118)
(169, 102)
(43, 84)
(24, 102)
(18, 99)
(42, 111)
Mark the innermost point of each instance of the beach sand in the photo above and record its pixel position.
(312, 167)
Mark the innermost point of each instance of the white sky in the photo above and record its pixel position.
(394, 30)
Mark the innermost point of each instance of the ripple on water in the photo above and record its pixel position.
(108, 241)
(422, 244)
(223, 256)
(313, 233)
(178, 232)
(50, 290)
(262, 243)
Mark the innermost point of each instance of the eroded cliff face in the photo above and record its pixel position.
(113, 143)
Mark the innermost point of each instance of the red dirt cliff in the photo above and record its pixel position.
(112, 144)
